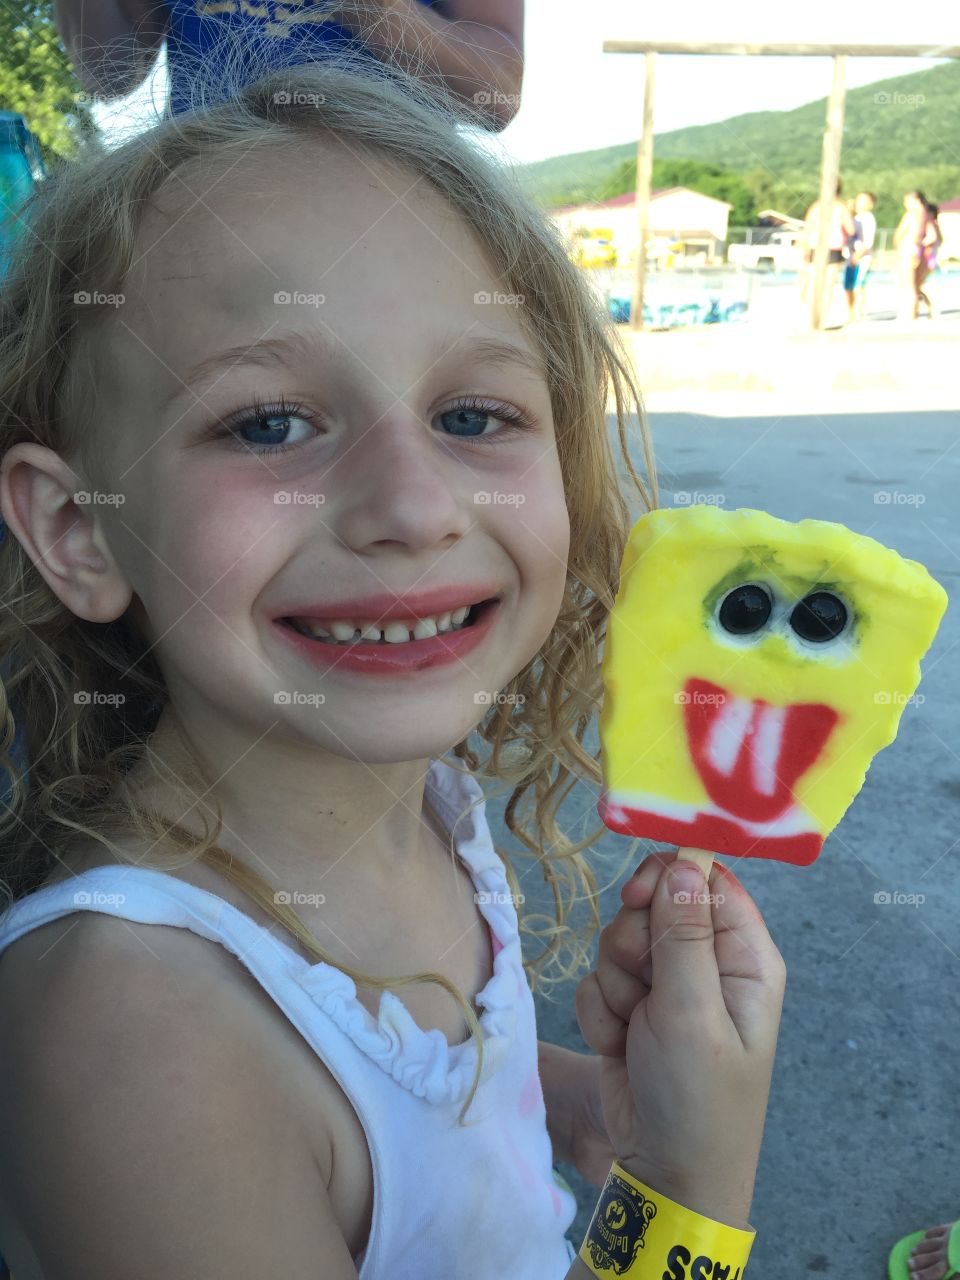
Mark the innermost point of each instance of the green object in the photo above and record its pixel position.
(897, 1268)
(21, 167)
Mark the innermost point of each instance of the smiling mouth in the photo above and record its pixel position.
(475, 612)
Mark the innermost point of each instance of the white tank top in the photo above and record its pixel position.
(482, 1200)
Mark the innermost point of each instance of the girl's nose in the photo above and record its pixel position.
(402, 483)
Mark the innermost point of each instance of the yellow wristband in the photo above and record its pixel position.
(638, 1233)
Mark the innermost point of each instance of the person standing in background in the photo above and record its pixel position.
(841, 226)
(861, 258)
(916, 240)
(474, 47)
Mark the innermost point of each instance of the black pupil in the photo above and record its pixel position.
(745, 610)
(819, 617)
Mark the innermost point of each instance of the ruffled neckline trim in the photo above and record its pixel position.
(424, 1062)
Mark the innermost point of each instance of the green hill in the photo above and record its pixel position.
(896, 136)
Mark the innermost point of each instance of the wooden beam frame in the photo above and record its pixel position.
(832, 137)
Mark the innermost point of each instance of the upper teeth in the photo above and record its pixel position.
(393, 632)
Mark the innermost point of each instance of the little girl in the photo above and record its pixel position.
(307, 477)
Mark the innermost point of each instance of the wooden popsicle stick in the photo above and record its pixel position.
(701, 857)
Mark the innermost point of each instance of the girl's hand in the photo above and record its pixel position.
(590, 1150)
(684, 1007)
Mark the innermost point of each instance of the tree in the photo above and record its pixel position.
(37, 80)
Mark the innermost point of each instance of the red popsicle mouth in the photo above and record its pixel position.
(748, 753)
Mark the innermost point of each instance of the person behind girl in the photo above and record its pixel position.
(861, 258)
(916, 239)
(473, 48)
(274, 375)
(841, 230)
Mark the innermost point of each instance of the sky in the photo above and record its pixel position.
(578, 98)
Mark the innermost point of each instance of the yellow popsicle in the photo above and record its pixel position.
(752, 669)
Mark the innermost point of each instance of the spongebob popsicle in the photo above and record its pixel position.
(752, 669)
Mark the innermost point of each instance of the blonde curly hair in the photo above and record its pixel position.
(84, 220)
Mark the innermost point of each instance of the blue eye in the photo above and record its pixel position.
(472, 408)
(270, 423)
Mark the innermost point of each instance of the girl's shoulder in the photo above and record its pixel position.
(89, 979)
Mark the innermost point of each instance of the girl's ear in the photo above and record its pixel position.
(60, 527)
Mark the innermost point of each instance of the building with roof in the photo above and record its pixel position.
(699, 222)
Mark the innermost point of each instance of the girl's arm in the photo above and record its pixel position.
(112, 44)
(143, 1130)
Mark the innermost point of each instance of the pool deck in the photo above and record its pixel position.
(891, 362)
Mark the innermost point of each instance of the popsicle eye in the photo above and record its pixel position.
(819, 617)
(745, 609)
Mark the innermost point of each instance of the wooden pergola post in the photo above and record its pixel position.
(829, 174)
(832, 139)
(644, 171)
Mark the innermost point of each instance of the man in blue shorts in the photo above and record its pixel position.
(861, 258)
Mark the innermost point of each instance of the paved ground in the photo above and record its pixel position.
(863, 1133)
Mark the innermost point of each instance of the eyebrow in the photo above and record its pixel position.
(289, 347)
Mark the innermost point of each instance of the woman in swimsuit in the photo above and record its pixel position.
(916, 240)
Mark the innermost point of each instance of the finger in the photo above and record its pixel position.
(638, 891)
(685, 974)
(601, 1028)
(624, 969)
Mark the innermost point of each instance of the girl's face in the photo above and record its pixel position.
(353, 293)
